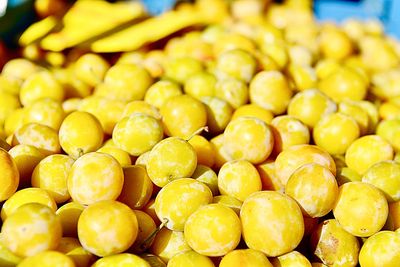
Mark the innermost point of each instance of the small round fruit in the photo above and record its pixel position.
(213, 230)
(181, 68)
(284, 227)
(31, 229)
(296, 156)
(270, 90)
(385, 175)
(41, 85)
(169, 243)
(45, 111)
(80, 133)
(163, 165)
(137, 188)
(219, 113)
(207, 176)
(310, 106)
(182, 115)
(293, 258)
(90, 68)
(71, 247)
(253, 110)
(38, 135)
(26, 157)
(361, 208)
(137, 133)
(245, 258)
(93, 177)
(140, 106)
(102, 238)
(288, 131)
(390, 131)
(355, 111)
(204, 150)
(237, 63)
(248, 138)
(335, 44)
(51, 174)
(9, 176)
(366, 151)
(47, 259)
(269, 178)
(147, 227)
(123, 259)
(238, 178)
(381, 249)
(332, 244)
(179, 199)
(233, 91)
(159, 92)
(335, 133)
(314, 188)
(69, 215)
(120, 155)
(190, 259)
(24, 196)
(200, 84)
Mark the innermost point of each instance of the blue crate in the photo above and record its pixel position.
(387, 11)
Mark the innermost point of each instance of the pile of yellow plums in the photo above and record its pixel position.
(266, 140)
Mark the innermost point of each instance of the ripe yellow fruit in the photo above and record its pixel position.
(31, 229)
(233, 91)
(80, 133)
(335, 44)
(253, 110)
(270, 90)
(169, 243)
(137, 133)
(19, 68)
(213, 230)
(335, 133)
(140, 106)
(26, 157)
(147, 227)
(269, 178)
(91, 69)
(7, 258)
(284, 227)
(288, 131)
(200, 84)
(354, 110)
(24, 196)
(119, 83)
(51, 174)
(304, 77)
(123, 259)
(245, 258)
(45, 111)
(9, 176)
(101, 238)
(345, 83)
(41, 85)
(14, 121)
(182, 115)
(293, 258)
(219, 113)
(333, 245)
(159, 92)
(107, 111)
(236, 63)
(69, 215)
(314, 188)
(207, 176)
(8, 103)
(366, 151)
(248, 138)
(163, 165)
(389, 130)
(296, 156)
(179, 199)
(137, 188)
(71, 247)
(120, 155)
(181, 68)
(47, 259)
(309, 106)
(239, 179)
(385, 175)
(190, 259)
(204, 150)
(361, 208)
(40, 136)
(376, 252)
(93, 177)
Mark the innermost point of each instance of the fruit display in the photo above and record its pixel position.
(220, 133)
